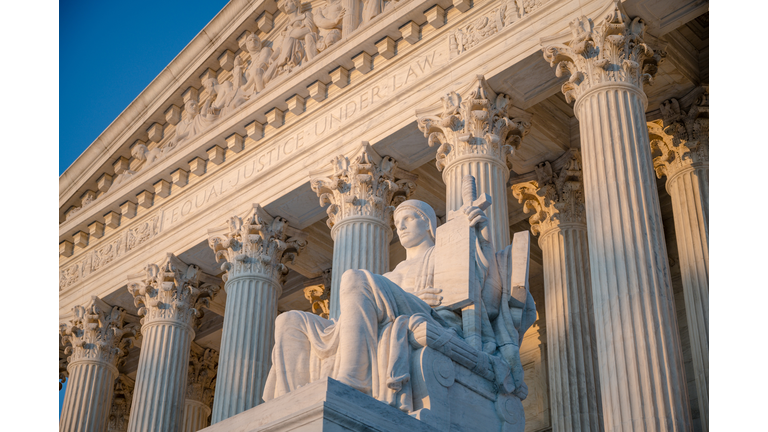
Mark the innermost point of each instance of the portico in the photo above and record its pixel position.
(287, 163)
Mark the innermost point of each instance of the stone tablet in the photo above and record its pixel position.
(454, 263)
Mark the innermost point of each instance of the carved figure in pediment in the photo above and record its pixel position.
(142, 153)
(196, 121)
(254, 76)
(328, 19)
(374, 8)
(221, 96)
(300, 37)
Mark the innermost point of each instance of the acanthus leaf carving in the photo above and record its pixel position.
(680, 139)
(481, 122)
(365, 185)
(201, 375)
(553, 199)
(257, 245)
(98, 332)
(121, 404)
(613, 51)
(174, 291)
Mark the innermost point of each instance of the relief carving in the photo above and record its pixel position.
(143, 232)
(121, 404)
(469, 35)
(201, 378)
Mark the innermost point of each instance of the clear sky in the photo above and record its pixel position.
(109, 52)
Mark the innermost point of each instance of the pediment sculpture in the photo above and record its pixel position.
(392, 326)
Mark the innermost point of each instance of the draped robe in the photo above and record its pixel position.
(367, 348)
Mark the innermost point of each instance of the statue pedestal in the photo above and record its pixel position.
(324, 405)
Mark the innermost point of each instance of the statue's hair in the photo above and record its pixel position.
(424, 210)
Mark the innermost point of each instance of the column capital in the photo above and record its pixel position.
(475, 122)
(364, 185)
(97, 332)
(257, 245)
(173, 291)
(201, 379)
(554, 199)
(681, 138)
(121, 404)
(616, 50)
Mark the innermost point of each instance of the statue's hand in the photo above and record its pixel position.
(430, 296)
(477, 218)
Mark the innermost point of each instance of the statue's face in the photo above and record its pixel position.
(411, 228)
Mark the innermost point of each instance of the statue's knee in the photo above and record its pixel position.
(351, 281)
(288, 320)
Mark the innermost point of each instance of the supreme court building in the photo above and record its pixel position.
(285, 134)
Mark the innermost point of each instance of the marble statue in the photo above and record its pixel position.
(368, 349)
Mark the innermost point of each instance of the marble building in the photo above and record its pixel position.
(271, 155)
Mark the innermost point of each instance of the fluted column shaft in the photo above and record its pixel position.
(573, 367)
(491, 177)
(88, 397)
(359, 243)
(689, 190)
(641, 369)
(246, 344)
(161, 377)
(195, 416)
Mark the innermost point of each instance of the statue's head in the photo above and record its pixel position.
(415, 222)
(139, 151)
(252, 43)
(289, 6)
(191, 107)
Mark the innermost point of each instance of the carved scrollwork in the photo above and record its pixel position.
(366, 185)
(257, 245)
(201, 378)
(480, 123)
(680, 139)
(553, 199)
(97, 332)
(174, 291)
(613, 51)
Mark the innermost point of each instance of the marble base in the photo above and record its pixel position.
(324, 405)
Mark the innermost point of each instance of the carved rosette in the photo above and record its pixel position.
(367, 185)
(121, 404)
(257, 245)
(680, 140)
(174, 291)
(614, 51)
(479, 123)
(201, 378)
(553, 199)
(97, 333)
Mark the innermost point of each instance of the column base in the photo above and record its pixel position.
(324, 405)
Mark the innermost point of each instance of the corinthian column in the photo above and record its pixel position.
(641, 369)
(121, 404)
(201, 381)
(557, 204)
(682, 142)
(477, 132)
(255, 250)
(362, 193)
(96, 340)
(170, 299)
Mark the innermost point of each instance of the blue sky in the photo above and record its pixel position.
(109, 52)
